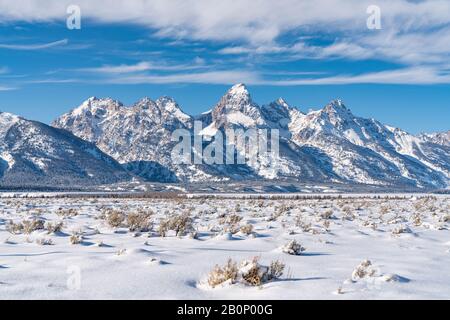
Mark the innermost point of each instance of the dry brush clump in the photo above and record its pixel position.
(328, 214)
(284, 209)
(397, 219)
(139, 221)
(26, 226)
(247, 229)
(219, 275)
(44, 241)
(302, 224)
(114, 218)
(384, 209)
(293, 248)
(276, 270)
(249, 272)
(32, 225)
(401, 229)
(444, 218)
(230, 223)
(75, 239)
(426, 204)
(231, 219)
(54, 227)
(363, 270)
(14, 228)
(181, 224)
(66, 213)
(416, 219)
(348, 214)
(281, 211)
(370, 224)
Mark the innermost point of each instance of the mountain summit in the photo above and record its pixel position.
(236, 109)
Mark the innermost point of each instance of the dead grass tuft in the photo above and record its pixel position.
(181, 224)
(139, 222)
(223, 274)
(115, 218)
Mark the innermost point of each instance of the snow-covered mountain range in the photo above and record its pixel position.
(103, 142)
(330, 144)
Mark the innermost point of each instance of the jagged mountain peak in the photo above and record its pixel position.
(172, 108)
(336, 106)
(337, 113)
(166, 101)
(237, 96)
(90, 100)
(6, 116)
(94, 105)
(94, 110)
(282, 102)
(239, 89)
(144, 104)
(279, 105)
(145, 100)
(278, 113)
(236, 108)
(7, 120)
(442, 138)
(102, 101)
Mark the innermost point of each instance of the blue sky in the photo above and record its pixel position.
(195, 50)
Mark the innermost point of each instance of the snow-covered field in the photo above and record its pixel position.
(354, 248)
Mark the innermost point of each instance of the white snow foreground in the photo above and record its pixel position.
(356, 248)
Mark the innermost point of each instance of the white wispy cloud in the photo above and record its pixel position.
(55, 81)
(140, 67)
(211, 77)
(123, 68)
(410, 49)
(413, 75)
(408, 75)
(2, 88)
(4, 70)
(264, 49)
(39, 46)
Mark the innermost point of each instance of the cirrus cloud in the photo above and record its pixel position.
(38, 46)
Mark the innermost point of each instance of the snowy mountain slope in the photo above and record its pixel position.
(34, 154)
(330, 144)
(237, 110)
(139, 137)
(366, 151)
(440, 138)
